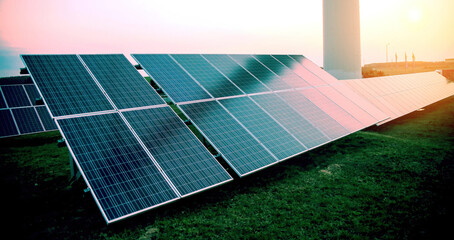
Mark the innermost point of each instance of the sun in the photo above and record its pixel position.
(414, 15)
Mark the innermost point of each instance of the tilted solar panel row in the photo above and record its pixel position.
(402, 94)
(131, 148)
(257, 110)
(21, 113)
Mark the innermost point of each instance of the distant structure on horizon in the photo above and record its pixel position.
(341, 38)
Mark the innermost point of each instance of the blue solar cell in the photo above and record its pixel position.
(239, 148)
(121, 81)
(314, 114)
(179, 86)
(184, 159)
(309, 65)
(210, 78)
(32, 93)
(277, 139)
(299, 126)
(15, 96)
(237, 74)
(300, 70)
(265, 75)
(121, 175)
(8, 128)
(65, 84)
(27, 120)
(282, 71)
(2, 100)
(332, 109)
(46, 119)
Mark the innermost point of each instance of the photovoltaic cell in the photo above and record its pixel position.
(15, 96)
(65, 84)
(121, 81)
(46, 119)
(314, 114)
(309, 65)
(210, 78)
(237, 74)
(8, 128)
(121, 175)
(399, 95)
(180, 154)
(27, 120)
(2, 100)
(360, 101)
(237, 146)
(358, 113)
(301, 128)
(266, 76)
(300, 70)
(167, 74)
(332, 109)
(282, 71)
(32, 93)
(277, 139)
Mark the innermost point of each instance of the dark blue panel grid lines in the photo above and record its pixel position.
(65, 85)
(122, 176)
(187, 163)
(174, 81)
(121, 81)
(238, 147)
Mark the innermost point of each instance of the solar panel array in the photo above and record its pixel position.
(135, 153)
(402, 94)
(131, 148)
(19, 112)
(257, 110)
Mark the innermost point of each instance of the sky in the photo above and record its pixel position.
(206, 26)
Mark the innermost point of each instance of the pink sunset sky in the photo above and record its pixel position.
(288, 26)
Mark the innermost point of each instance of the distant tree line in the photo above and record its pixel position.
(368, 73)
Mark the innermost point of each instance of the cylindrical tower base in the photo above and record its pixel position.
(341, 38)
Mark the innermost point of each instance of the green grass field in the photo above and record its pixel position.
(389, 182)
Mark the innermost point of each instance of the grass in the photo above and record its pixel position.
(389, 182)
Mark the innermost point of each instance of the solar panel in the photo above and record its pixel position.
(187, 163)
(309, 65)
(2, 100)
(356, 112)
(121, 81)
(300, 70)
(332, 109)
(265, 75)
(343, 89)
(15, 96)
(179, 86)
(121, 175)
(296, 124)
(237, 74)
(273, 136)
(46, 119)
(210, 78)
(7, 122)
(65, 84)
(401, 94)
(27, 120)
(237, 146)
(316, 116)
(282, 71)
(32, 93)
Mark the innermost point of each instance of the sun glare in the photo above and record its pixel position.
(414, 14)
